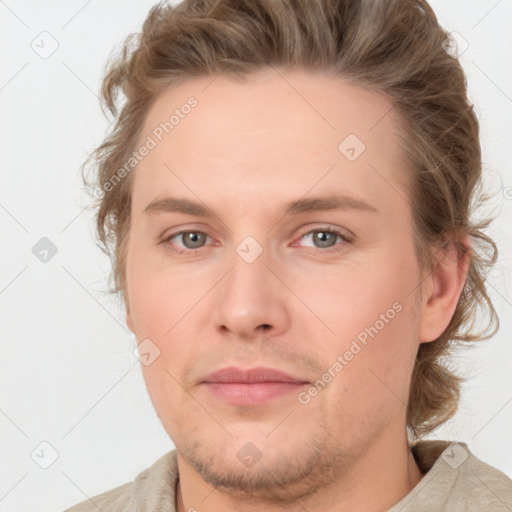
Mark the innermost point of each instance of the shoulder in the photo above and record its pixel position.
(158, 480)
(117, 500)
(483, 484)
(457, 480)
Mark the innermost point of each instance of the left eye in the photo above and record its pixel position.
(324, 238)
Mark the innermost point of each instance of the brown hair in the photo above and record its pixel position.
(395, 47)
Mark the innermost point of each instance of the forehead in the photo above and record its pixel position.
(277, 130)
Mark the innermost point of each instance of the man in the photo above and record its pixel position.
(287, 196)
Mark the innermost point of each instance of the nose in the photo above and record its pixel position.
(251, 301)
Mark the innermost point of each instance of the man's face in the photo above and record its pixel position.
(250, 285)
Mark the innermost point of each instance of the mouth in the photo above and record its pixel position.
(255, 386)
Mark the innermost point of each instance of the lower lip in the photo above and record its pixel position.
(255, 393)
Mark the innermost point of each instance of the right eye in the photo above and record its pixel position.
(190, 240)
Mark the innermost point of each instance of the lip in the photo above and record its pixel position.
(255, 386)
(252, 375)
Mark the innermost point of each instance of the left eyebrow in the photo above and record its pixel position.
(328, 202)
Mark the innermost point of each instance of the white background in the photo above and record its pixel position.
(68, 374)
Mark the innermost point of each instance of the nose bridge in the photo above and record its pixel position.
(251, 299)
(249, 274)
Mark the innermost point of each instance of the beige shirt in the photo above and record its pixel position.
(454, 481)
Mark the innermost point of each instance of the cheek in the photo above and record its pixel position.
(375, 321)
(355, 295)
(371, 386)
(386, 363)
(159, 295)
(165, 393)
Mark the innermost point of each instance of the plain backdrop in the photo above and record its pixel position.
(72, 397)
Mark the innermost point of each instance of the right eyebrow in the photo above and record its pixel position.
(177, 205)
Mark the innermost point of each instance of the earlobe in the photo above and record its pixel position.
(442, 289)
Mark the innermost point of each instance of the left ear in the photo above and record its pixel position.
(442, 288)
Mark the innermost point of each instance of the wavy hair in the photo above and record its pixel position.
(394, 47)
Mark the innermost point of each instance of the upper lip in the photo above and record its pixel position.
(259, 374)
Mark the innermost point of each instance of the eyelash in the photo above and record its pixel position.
(317, 250)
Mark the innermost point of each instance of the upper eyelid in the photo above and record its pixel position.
(338, 231)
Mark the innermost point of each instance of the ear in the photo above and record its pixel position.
(442, 288)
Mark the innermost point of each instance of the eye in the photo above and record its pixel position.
(325, 239)
(190, 240)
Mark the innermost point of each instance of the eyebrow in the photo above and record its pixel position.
(312, 204)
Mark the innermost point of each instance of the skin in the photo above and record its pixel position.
(245, 151)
